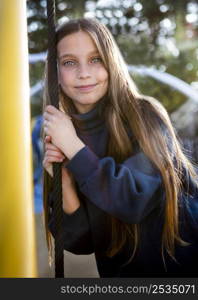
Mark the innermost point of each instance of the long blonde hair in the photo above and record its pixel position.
(151, 128)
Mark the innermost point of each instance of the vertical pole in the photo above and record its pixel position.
(17, 231)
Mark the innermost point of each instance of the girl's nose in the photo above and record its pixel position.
(84, 72)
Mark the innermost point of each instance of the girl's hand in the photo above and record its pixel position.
(52, 154)
(59, 127)
(70, 198)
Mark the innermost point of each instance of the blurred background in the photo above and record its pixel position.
(159, 41)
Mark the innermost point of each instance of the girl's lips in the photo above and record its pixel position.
(85, 88)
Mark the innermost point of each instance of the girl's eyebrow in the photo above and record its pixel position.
(73, 55)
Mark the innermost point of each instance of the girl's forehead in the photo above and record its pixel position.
(77, 41)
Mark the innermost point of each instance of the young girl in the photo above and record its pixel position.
(130, 195)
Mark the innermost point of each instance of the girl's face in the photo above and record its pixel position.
(82, 75)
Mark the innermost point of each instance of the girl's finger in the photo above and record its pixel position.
(47, 138)
(54, 154)
(46, 123)
(47, 116)
(49, 146)
(46, 130)
(48, 167)
(52, 159)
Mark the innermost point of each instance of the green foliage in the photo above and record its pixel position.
(36, 71)
(170, 98)
(140, 52)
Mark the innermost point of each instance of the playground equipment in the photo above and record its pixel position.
(17, 231)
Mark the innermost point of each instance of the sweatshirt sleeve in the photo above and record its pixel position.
(127, 191)
(76, 230)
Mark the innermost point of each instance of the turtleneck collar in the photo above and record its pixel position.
(93, 120)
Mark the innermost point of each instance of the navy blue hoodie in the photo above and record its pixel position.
(131, 192)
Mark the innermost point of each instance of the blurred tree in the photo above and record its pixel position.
(37, 24)
(127, 16)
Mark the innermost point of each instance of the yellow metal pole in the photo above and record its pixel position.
(17, 231)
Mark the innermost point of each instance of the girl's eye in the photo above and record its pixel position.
(96, 59)
(68, 63)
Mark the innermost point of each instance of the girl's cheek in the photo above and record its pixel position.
(66, 76)
(102, 74)
(64, 72)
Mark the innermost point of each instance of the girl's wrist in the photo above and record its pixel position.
(75, 146)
